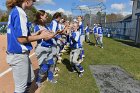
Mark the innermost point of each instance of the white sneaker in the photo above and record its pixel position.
(83, 56)
(63, 51)
(59, 61)
(59, 58)
(80, 61)
(52, 81)
(57, 69)
(80, 75)
(55, 75)
(38, 84)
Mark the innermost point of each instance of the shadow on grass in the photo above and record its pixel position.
(67, 51)
(34, 87)
(128, 43)
(66, 62)
(91, 43)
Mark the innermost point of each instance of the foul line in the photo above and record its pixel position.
(9, 69)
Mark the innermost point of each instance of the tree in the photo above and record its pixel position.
(99, 15)
(1, 13)
(86, 19)
(4, 17)
(31, 13)
(49, 19)
(113, 17)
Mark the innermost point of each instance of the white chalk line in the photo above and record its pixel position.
(10, 69)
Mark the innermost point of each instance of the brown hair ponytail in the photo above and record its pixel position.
(12, 3)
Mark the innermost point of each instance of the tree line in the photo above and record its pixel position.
(97, 18)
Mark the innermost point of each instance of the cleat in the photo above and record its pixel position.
(83, 56)
(53, 81)
(57, 69)
(59, 61)
(80, 75)
(80, 61)
(38, 84)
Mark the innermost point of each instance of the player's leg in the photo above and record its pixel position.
(20, 69)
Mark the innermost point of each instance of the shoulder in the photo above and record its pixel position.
(14, 11)
(21, 11)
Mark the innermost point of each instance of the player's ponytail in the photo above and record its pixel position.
(12, 3)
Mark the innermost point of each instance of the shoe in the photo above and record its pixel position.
(59, 61)
(80, 61)
(61, 54)
(52, 81)
(55, 75)
(59, 58)
(63, 51)
(102, 47)
(38, 84)
(57, 69)
(80, 75)
(83, 56)
(82, 70)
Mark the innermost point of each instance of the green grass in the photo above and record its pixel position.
(114, 53)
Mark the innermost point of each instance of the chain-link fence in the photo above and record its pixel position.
(122, 29)
(3, 27)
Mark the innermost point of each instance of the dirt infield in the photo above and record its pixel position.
(6, 81)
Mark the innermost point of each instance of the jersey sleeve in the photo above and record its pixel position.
(20, 25)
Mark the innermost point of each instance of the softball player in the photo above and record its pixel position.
(54, 26)
(100, 35)
(43, 50)
(75, 46)
(18, 44)
(95, 29)
(82, 37)
(87, 33)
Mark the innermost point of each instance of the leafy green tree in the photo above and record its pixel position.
(31, 13)
(49, 19)
(4, 17)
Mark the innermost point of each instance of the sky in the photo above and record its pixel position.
(68, 6)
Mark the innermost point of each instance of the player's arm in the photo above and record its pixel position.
(27, 39)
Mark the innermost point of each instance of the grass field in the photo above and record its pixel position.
(114, 53)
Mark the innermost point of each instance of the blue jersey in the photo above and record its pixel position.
(87, 29)
(100, 31)
(17, 27)
(95, 29)
(44, 43)
(54, 26)
(76, 36)
(81, 28)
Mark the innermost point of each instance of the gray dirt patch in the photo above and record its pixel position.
(113, 79)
